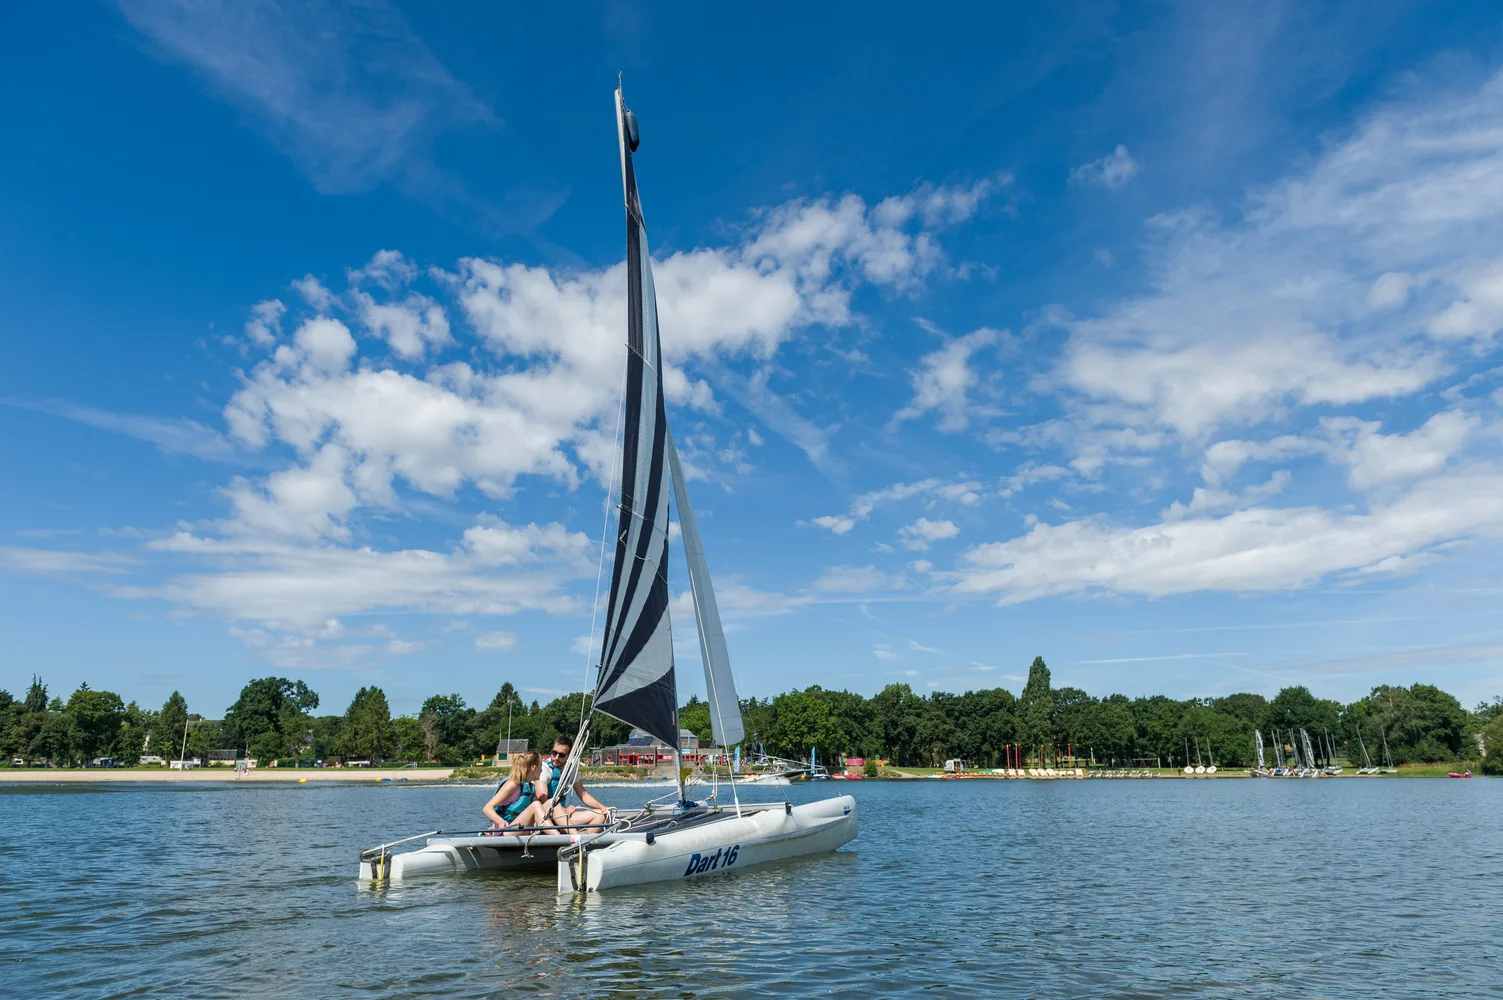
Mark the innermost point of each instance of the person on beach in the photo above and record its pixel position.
(560, 813)
(520, 801)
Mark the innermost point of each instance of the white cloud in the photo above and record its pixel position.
(855, 580)
(310, 501)
(838, 523)
(1194, 386)
(1029, 474)
(1390, 291)
(967, 492)
(326, 344)
(47, 561)
(351, 95)
(171, 434)
(1112, 171)
(1349, 281)
(354, 438)
(1374, 459)
(390, 269)
(918, 535)
(1478, 313)
(1258, 549)
(882, 651)
(410, 327)
(738, 602)
(292, 586)
(1224, 458)
(940, 206)
(265, 323)
(1214, 501)
(944, 381)
(496, 642)
(314, 293)
(1383, 459)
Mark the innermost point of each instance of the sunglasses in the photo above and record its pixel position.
(559, 753)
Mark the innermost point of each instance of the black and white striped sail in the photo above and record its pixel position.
(636, 683)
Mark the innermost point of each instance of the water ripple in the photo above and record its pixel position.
(1017, 889)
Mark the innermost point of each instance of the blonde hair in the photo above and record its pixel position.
(522, 764)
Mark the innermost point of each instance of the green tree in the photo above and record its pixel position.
(270, 718)
(1422, 723)
(130, 740)
(94, 719)
(507, 714)
(169, 730)
(1492, 745)
(803, 722)
(897, 715)
(447, 726)
(36, 697)
(53, 741)
(27, 719)
(10, 712)
(1296, 708)
(1036, 708)
(409, 739)
(560, 717)
(1250, 708)
(367, 726)
(695, 717)
(1105, 731)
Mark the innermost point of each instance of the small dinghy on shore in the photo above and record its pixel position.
(635, 680)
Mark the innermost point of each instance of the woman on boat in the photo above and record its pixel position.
(519, 802)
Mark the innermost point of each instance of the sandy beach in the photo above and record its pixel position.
(97, 776)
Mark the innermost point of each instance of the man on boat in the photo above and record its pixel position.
(560, 813)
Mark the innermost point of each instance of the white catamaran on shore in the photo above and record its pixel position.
(635, 681)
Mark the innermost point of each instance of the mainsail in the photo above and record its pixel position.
(636, 683)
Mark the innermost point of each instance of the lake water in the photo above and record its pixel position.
(1169, 888)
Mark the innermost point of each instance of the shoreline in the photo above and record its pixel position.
(430, 775)
(277, 776)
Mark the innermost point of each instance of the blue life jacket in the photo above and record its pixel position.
(514, 808)
(553, 776)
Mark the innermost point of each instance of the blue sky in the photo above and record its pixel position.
(1161, 341)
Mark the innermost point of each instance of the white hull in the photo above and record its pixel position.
(722, 845)
(451, 855)
(762, 779)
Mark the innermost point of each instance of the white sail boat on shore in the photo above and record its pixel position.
(635, 682)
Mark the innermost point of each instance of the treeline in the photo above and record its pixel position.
(275, 718)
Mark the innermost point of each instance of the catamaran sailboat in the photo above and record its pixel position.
(635, 680)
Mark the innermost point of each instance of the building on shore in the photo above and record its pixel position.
(642, 750)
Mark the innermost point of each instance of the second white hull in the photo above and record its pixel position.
(723, 845)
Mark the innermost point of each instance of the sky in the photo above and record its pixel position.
(1161, 341)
